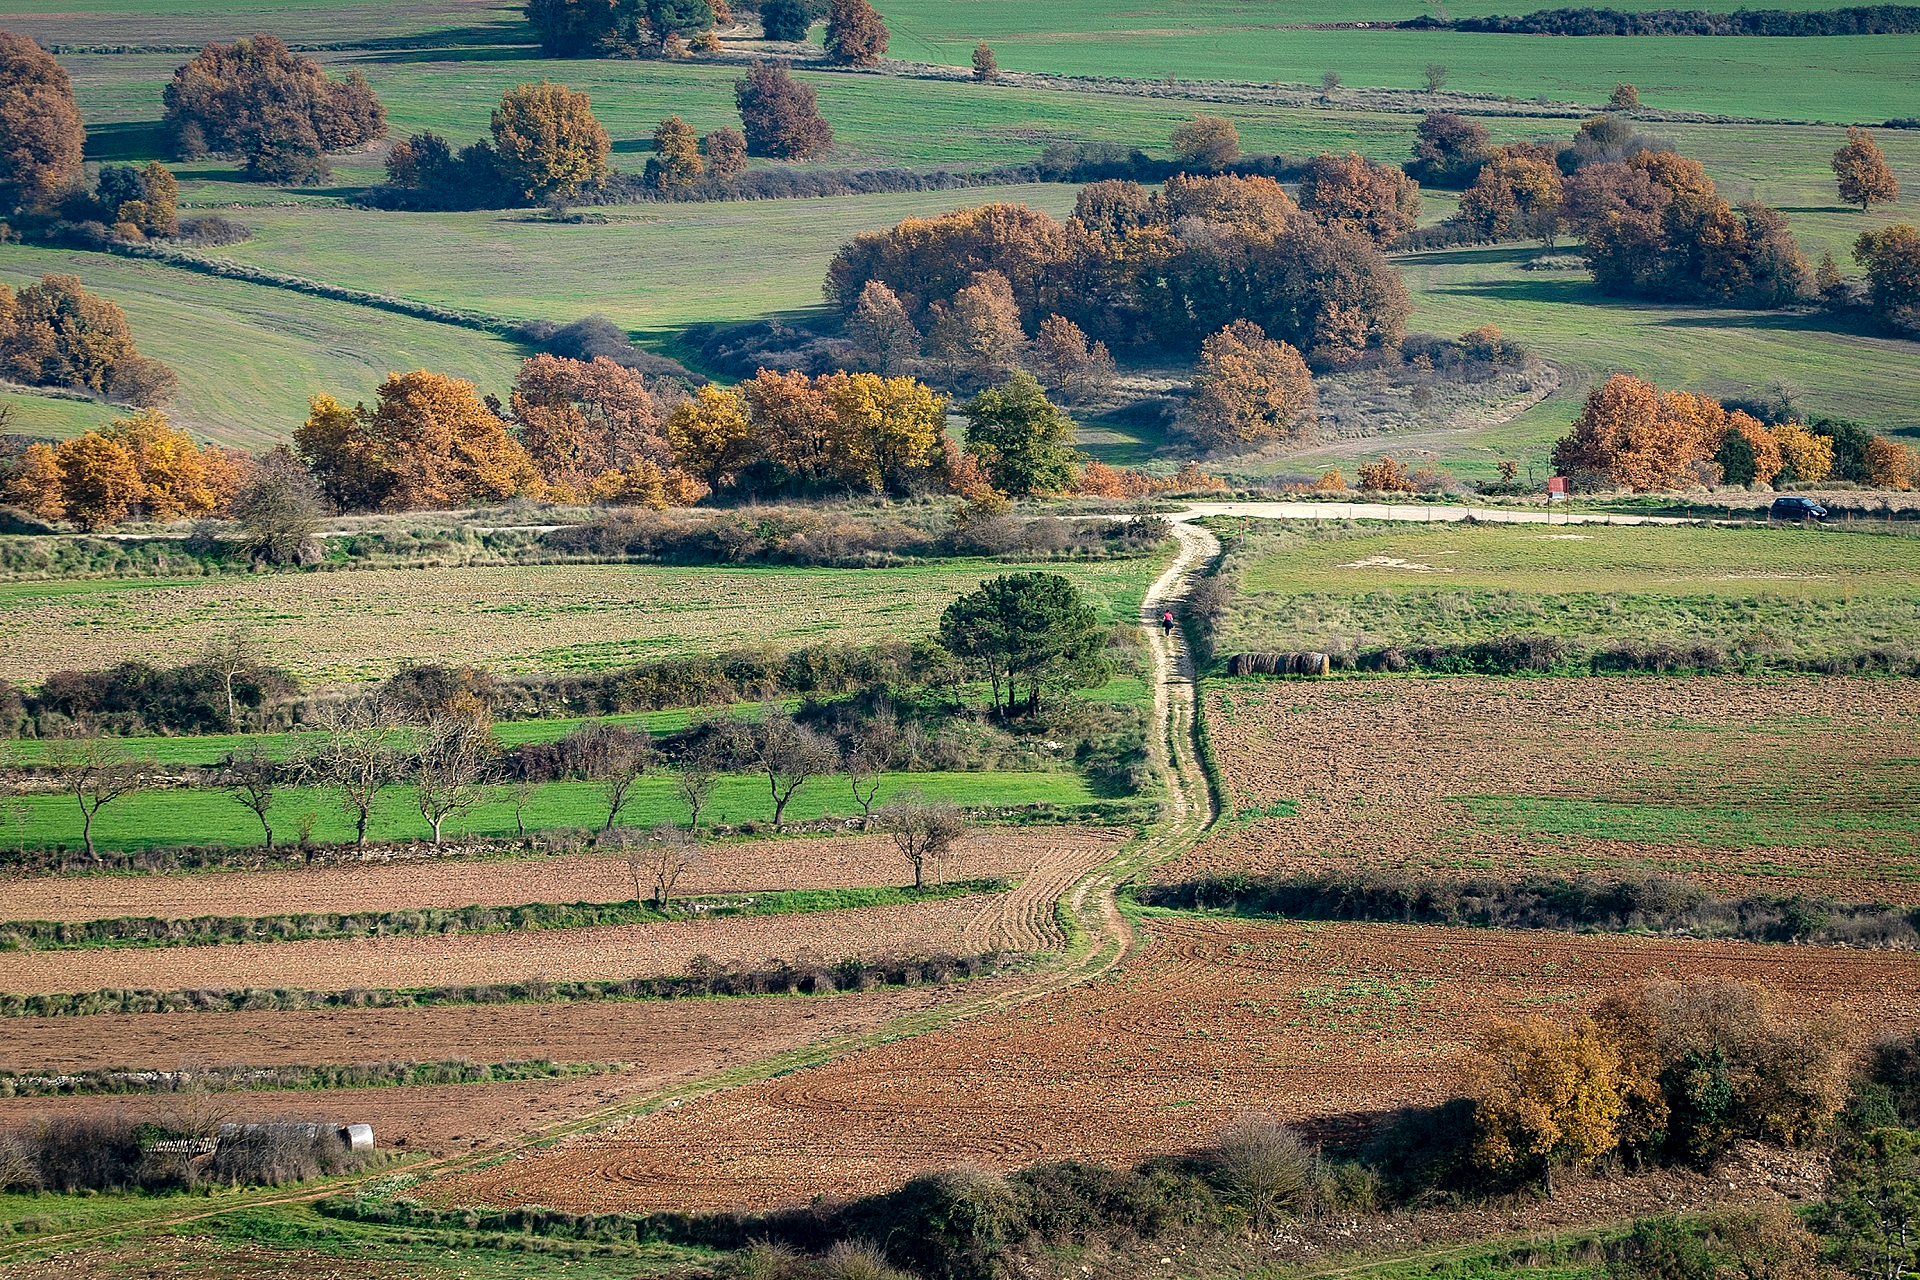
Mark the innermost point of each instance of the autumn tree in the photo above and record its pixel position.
(427, 444)
(1639, 439)
(547, 140)
(1515, 195)
(592, 428)
(1805, 458)
(978, 334)
(676, 163)
(1206, 142)
(259, 99)
(1019, 437)
(1544, 1097)
(177, 477)
(1068, 364)
(1891, 464)
(888, 429)
(1891, 257)
(856, 37)
(1448, 150)
(986, 67)
(61, 335)
(779, 114)
(924, 831)
(1862, 172)
(99, 480)
(1384, 475)
(1248, 389)
(1353, 192)
(712, 434)
(40, 131)
(1624, 98)
(880, 329)
(726, 154)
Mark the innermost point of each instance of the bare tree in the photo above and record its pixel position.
(453, 758)
(789, 754)
(355, 752)
(95, 772)
(232, 656)
(694, 780)
(520, 795)
(249, 777)
(923, 830)
(667, 854)
(868, 757)
(615, 757)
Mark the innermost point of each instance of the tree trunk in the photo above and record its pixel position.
(780, 810)
(269, 832)
(360, 832)
(86, 827)
(233, 710)
(918, 873)
(436, 826)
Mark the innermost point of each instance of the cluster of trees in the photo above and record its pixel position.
(222, 689)
(546, 145)
(277, 109)
(56, 334)
(132, 202)
(1146, 270)
(138, 465)
(1631, 435)
(1866, 20)
(1891, 258)
(624, 28)
(1669, 1073)
(856, 36)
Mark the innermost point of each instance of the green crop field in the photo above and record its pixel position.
(1785, 591)
(365, 623)
(159, 819)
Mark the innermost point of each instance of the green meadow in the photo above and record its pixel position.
(1788, 591)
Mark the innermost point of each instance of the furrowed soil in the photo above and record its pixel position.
(1020, 919)
(660, 1042)
(405, 884)
(1307, 1022)
(1794, 784)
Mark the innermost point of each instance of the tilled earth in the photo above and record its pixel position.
(749, 867)
(1020, 919)
(1785, 785)
(1305, 1021)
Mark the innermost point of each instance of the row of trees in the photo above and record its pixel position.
(277, 109)
(1631, 435)
(138, 464)
(56, 334)
(1146, 270)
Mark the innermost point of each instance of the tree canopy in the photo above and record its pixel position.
(1027, 629)
(780, 115)
(40, 131)
(1020, 438)
(259, 99)
(547, 140)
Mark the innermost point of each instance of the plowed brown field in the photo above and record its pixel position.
(1796, 784)
(664, 1042)
(1020, 919)
(756, 866)
(1210, 1018)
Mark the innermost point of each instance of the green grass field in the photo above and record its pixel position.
(53, 417)
(534, 617)
(1802, 593)
(249, 357)
(158, 819)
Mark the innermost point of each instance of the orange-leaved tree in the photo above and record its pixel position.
(1544, 1097)
(1861, 172)
(40, 130)
(1351, 191)
(856, 37)
(548, 141)
(1249, 389)
(427, 444)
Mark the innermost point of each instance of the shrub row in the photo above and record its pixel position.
(114, 1153)
(1865, 20)
(1658, 904)
(361, 1075)
(1556, 655)
(705, 979)
(199, 931)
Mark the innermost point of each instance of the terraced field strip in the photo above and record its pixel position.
(413, 883)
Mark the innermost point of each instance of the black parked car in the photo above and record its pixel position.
(1796, 509)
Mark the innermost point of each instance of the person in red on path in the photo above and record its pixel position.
(1166, 623)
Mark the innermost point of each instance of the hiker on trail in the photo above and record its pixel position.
(1166, 623)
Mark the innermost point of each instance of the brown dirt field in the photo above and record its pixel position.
(1018, 920)
(757, 866)
(1794, 784)
(663, 1042)
(1212, 1017)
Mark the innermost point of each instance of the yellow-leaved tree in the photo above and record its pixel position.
(548, 141)
(1545, 1097)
